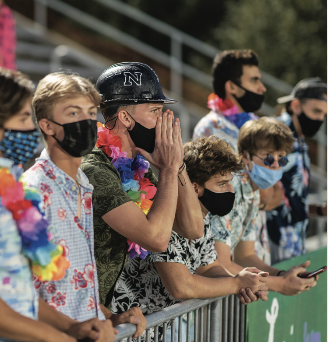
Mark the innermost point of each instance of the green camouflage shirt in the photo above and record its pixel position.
(110, 247)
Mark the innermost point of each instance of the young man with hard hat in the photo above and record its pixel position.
(128, 217)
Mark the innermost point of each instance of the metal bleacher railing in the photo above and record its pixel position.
(173, 61)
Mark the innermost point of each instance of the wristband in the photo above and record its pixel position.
(280, 272)
(182, 168)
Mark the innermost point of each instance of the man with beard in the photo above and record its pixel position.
(306, 108)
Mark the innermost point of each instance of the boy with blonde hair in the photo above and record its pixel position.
(264, 145)
(66, 110)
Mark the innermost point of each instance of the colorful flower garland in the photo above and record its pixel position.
(23, 202)
(229, 110)
(132, 173)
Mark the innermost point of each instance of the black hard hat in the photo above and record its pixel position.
(309, 88)
(131, 82)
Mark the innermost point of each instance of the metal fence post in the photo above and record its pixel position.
(216, 321)
(40, 14)
(236, 318)
(243, 309)
(176, 82)
(57, 54)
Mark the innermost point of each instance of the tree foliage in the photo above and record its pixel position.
(290, 36)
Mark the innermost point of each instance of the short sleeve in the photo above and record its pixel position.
(250, 230)
(221, 228)
(108, 191)
(203, 128)
(207, 250)
(174, 253)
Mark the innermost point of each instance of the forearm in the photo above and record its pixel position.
(253, 261)
(18, 327)
(189, 219)
(162, 213)
(108, 314)
(49, 315)
(197, 286)
(232, 267)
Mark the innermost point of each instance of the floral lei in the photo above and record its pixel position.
(23, 202)
(132, 173)
(229, 110)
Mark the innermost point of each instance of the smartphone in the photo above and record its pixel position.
(313, 274)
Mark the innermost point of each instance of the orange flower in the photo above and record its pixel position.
(6, 181)
(146, 204)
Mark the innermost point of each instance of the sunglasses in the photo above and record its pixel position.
(269, 160)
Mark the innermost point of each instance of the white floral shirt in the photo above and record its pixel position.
(140, 284)
(76, 295)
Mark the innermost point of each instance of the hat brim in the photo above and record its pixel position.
(166, 100)
(286, 99)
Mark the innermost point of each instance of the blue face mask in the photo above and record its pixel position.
(264, 178)
(19, 146)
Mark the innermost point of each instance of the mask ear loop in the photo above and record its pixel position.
(116, 117)
(249, 156)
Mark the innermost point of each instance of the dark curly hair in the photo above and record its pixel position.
(206, 157)
(228, 66)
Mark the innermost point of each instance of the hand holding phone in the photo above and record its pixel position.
(309, 275)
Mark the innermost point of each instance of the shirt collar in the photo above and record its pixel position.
(81, 178)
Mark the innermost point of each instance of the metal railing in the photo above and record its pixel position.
(216, 319)
(174, 61)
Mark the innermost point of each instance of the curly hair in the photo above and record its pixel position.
(206, 157)
(228, 66)
(265, 133)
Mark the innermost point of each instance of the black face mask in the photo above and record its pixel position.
(250, 102)
(143, 137)
(218, 203)
(309, 126)
(80, 137)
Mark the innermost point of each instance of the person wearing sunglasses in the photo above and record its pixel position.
(304, 113)
(264, 145)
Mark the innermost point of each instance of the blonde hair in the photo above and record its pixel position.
(58, 86)
(265, 133)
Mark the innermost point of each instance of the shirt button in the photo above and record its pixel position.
(73, 188)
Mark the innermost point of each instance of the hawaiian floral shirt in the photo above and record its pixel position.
(76, 295)
(16, 280)
(240, 223)
(287, 224)
(140, 284)
(217, 124)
